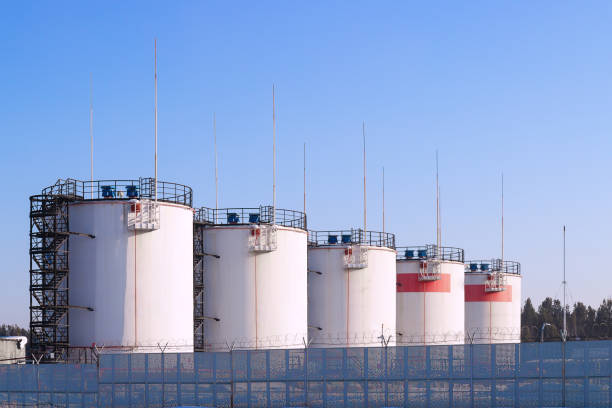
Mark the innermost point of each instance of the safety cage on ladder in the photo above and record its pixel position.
(496, 280)
(143, 215)
(262, 238)
(430, 270)
(356, 257)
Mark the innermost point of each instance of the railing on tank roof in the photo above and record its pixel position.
(352, 236)
(430, 252)
(246, 216)
(493, 265)
(143, 187)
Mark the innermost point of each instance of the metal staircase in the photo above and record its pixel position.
(49, 271)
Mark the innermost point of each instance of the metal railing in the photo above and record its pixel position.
(143, 187)
(430, 252)
(352, 236)
(247, 216)
(493, 265)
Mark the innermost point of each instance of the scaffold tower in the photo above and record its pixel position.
(198, 285)
(49, 272)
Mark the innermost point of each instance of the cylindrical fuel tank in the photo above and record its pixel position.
(351, 288)
(430, 295)
(255, 284)
(493, 301)
(131, 266)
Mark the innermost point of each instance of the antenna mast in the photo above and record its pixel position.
(91, 147)
(364, 183)
(216, 163)
(438, 229)
(273, 159)
(502, 222)
(304, 179)
(383, 199)
(155, 46)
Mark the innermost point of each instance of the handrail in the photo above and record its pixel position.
(352, 236)
(254, 215)
(143, 187)
(430, 252)
(492, 265)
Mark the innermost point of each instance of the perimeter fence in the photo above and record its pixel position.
(573, 374)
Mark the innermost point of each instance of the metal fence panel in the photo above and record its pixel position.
(500, 375)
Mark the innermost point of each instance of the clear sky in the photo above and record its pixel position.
(515, 86)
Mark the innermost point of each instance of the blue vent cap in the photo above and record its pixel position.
(332, 239)
(107, 191)
(131, 191)
(422, 253)
(409, 253)
(473, 267)
(346, 239)
(232, 218)
(253, 218)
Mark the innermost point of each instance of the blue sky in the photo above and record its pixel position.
(520, 87)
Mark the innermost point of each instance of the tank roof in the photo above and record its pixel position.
(431, 251)
(249, 216)
(493, 265)
(350, 237)
(143, 187)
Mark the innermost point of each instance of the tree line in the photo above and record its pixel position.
(13, 330)
(583, 322)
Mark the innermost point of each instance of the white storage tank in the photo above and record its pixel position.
(493, 301)
(255, 285)
(131, 286)
(430, 295)
(351, 288)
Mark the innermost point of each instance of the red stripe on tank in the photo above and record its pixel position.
(409, 282)
(476, 293)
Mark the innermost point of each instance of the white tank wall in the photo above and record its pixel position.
(426, 315)
(357, 303)
(140, 284)
(494, 317)
(259, 297)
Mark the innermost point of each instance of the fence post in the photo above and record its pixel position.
(146, 368)
(517, 368)
(366, 395)
(610, 371)
(563, 373)
(472, 374)
(450, 376)
(428, 376)
(493, 356)
(129, 379)
(386, 376)
(163, 370)
(268, 397)
(306, 344)
(540, 367)
(231, 349)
